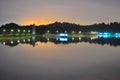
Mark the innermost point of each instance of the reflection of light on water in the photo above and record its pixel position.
(94, 37)
(57, 39)
(4, 43)
(79, 38)
(73, 38)
(63, 39)
(48, 39)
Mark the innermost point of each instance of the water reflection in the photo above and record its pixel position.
(101, 39)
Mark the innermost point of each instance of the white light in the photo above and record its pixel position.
(12, 30)
(4, 30)
(73, 38)
(28, 30)
(57, 31)
(65, 31)
(24, 31)
(18, 30)
(11, 42)
(28, 40)
(63, 39)
(18, 41)
(79, 38)
(79, 32)
(48, 31)
(48, 39)
(73, 31)
(23, 40)
(56, 38)
(94, 37)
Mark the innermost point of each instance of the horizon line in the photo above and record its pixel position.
(107, 23)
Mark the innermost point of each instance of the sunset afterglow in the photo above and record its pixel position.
(36, 22)
(40, 12)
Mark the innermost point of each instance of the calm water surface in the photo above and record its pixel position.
(50, 61)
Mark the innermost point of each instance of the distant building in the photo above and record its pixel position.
(33, 29)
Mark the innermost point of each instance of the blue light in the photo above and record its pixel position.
(63, 39)
(108, 35)
(104, 35)
(117, 35)
(63, 34)
(100, 33)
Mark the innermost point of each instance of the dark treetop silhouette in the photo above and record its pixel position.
(60, 27)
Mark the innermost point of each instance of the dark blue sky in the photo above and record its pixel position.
(48, 11)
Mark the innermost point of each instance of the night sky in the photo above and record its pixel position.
(38, 12)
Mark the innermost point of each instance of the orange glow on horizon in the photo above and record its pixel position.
(36, 22)
(46, 21)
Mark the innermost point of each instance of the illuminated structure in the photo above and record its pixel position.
(63, 37)
(33, 29)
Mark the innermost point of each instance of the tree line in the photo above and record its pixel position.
(59, 27)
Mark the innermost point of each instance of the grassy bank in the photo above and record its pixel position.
(16, 35)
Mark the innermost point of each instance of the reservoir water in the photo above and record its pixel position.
(39, 58)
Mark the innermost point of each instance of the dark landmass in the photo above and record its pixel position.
(59, 27)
